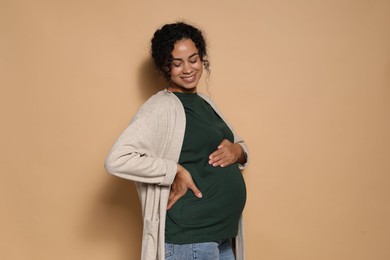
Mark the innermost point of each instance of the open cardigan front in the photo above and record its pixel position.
(147, 153)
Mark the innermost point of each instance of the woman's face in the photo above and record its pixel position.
(187, 67)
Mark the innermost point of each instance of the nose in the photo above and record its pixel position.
(187, 69)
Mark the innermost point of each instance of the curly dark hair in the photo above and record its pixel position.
(163, 43)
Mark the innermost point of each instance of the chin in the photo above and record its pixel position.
(188, 89)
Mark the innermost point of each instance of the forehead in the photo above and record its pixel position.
(184, 48)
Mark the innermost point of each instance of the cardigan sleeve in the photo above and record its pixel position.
(240, 141)
(137, 154)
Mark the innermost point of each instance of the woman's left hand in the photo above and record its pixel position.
(227, 153)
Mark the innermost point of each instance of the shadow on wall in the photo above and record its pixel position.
(116, 217)
(150, 81)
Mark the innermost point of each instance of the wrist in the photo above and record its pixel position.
(241, 158)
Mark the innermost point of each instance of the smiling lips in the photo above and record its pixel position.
(189, 79)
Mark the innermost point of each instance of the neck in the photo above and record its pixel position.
(181, 89)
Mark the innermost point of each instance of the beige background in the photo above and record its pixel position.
(307, 83)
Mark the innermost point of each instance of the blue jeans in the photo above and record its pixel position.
(221, 250)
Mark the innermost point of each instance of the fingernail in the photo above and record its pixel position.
(200, 195)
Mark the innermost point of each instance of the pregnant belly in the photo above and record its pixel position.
(224, 196)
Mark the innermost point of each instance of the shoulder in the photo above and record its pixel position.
(206, 97)
(160, 103)
(163, 98)
(209, 100)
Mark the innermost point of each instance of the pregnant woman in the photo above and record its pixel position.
(185, 159)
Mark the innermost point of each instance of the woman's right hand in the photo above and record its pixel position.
(182, 182)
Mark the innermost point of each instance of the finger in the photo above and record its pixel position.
(170, 204)
(217, 160)
(195, 190)
(215, 153)
(225, 161)
(220, 146)
(216, 156)
(172, 201)
(224, 141)
(219, 157)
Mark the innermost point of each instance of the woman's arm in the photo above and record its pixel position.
(138, 154)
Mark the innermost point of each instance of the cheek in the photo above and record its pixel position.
(199, 68)
(198, 65)
(175, 72)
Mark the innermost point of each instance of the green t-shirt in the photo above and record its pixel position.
(215, 216)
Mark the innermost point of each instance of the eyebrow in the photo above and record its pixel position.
(192, 55)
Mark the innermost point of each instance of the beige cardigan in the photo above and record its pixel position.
(147, 152)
